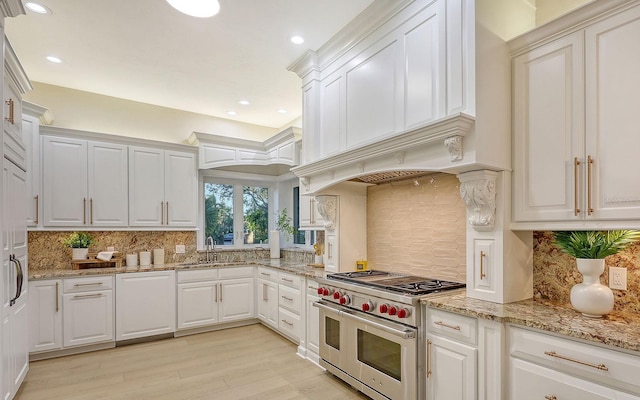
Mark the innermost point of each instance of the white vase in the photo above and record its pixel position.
(590, 297)
(79, 253)
(274, 243)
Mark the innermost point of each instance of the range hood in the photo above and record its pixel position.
(446, 145)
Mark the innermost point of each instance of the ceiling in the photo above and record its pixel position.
(146, 51)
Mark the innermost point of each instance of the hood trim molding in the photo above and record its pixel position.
(427, 148)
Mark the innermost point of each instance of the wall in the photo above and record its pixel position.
(47, 251)
(546, 10)
(418, 229)
(555, 272)
(75, 109)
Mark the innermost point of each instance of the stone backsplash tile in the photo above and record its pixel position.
(555, 272)
(46, 250)
(418, 229)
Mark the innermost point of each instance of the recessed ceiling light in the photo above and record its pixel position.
(54, 60)
(37, 8)
(196, 8)
(282, 111)
(232, 113)
(297, 39)
(244, 102)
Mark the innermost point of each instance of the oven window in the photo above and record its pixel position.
(332, 333)
(380, 353)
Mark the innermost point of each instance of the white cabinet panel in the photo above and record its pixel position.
(453, 370)
(310, 218)
(145, 304)
(64, 181)
(146, 187)
(236, 299)
(180, 185)
(332, 116)
(107, 185)
(88, 317)
(267, 299)
(332, 253)
(31, 138)
(197, 304)
(289, 324)
(45, 315)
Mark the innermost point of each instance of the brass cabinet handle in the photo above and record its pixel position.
(482, 256)
(84, 211)
(287, 322)
(167, 204)
(221, 293)
(601, 367)
(10, 118)
(57, 296)
(287, 280)
(265, 274)
(576, 164)
(551, 397)
(329, 253)
(87, 296)
(36, 198)
(264, 292)
(455, 327)
(162, 213)
(87, 284)
(311, 210)
(287, 298)
(215, 296)
(589, 178)
(91, 210)
(428, 358)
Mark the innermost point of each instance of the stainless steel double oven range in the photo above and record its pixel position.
(372, 332)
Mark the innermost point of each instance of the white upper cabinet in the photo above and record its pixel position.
(85, 183)
(574, 100)
(162, 187)
(310, 218)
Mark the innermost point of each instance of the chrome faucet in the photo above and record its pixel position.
(210, 245)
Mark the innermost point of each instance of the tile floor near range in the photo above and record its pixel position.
(250, 362)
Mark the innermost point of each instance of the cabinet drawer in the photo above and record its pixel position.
(312, 287)
(534, 382)
(594, 363)
(236, 272)
(268, 274)
(290, 299)
(290, 280)
(453, 326)
(198, 275)
(75, 285)
(289, 324)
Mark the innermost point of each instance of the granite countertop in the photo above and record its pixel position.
(279, 264)
(615, 329)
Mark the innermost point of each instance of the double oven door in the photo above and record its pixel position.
(377, 353)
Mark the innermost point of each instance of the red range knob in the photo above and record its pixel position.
(321, 291)
(384, 308)
(393, 310)
(368, 306)
(345, 300)
(403, 313)
(325, 291)
(336, 295)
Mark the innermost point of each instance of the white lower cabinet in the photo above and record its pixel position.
(312, 342)
(290, 305)
(210, 296)
(145, 304)
(267, 296)
(88, 317)
(45, 315)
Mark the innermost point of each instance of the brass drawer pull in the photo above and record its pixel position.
(287, 298)
(589, 179)
(550, 397)
(57, 296)
(265, 274)
(11, 105)
(87, 296)
(456, 327)
(287, 322)
(482, 256)
(576, 164)
(428, 358)
(287, 280)
(601, 367)
(36, 198)
(87, 284)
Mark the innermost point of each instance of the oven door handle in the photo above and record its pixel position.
(328, 308)
(402, 332)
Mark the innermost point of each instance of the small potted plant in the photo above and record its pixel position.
(590, 248)
(79, 243)
(284, 225)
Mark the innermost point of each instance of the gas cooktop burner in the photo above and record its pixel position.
(428, 286)
(407, 284)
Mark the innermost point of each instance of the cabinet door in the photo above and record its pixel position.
(181, 189)
(612, 96)
(549, 131)
(332, 123)
(236, 299)
(45, 315)
(267, 296)
(88, 318)
(145, 304)
(313, 328)
(146, 187)
(453, 369)
(107, 185)
(14, 147)
(197, 304)
(310, 218)
(64, 181)
(31, 138)
(331, 253)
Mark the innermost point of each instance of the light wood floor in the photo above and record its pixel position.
(250, 362)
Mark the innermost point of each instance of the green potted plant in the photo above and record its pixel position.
(283, 224)
(79, 243)
(590, 248)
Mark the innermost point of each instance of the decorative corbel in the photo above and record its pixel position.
(332, 173)
(454, 146)
(478, 190)
(305, 182)
(328, 207)
(360, 166)
(399, 157)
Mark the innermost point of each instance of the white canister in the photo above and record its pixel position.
(132, 260)
(158, 256)
(145, 258)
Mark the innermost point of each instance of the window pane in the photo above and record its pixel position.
(298, 236)
(255, 201)
(218, 211)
